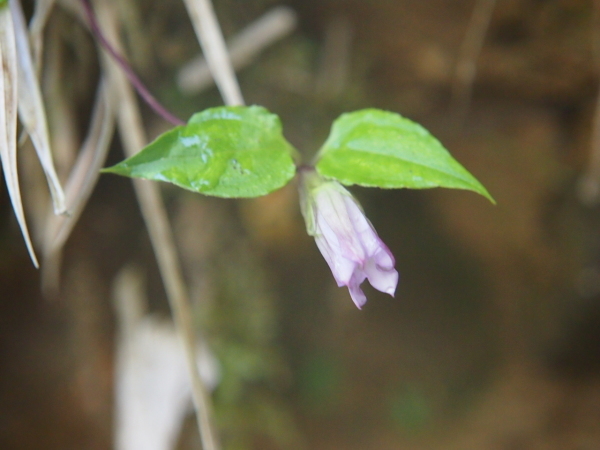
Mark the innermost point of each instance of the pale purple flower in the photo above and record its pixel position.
(345, 237)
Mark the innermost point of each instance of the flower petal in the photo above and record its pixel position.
(328, 243)
(332, 214)
(381, 278)
(358, 296)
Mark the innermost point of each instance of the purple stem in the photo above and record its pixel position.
(131, 75)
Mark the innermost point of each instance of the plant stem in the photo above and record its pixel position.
(159, 230)
(131, 75)
(208, 31)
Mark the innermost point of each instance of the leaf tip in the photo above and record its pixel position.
(487, 195)
(117, 169)
(481, 190)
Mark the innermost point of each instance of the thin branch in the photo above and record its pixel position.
(212, 42)
(131, 75)
(161, 235)
(243, 47)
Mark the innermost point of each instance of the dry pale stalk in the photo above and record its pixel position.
(79, 187)
(31, 108)
(43, 8)
(213, 45)
(8, 121)
(243, 47)
(159, 229)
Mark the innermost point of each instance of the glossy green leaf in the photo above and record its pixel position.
(383, 149)
(233, 151)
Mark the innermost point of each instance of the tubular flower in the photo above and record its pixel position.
(345, 237)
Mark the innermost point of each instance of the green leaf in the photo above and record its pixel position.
(383, 149)
(233, 151)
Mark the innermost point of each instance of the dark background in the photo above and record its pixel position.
(493, 339)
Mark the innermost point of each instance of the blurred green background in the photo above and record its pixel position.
(493, 339)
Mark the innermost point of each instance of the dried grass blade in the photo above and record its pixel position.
(60, 106)
(213, 46)
(80, 185)
(31, 107)
(43, 8)
(8, 121)
(243, 47)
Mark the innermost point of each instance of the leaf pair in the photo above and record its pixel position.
(240, 151)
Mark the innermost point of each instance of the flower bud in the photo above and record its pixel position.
(345, 237)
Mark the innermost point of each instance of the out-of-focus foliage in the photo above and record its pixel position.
(238, 312)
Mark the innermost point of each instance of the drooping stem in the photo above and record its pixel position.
(131, 75)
